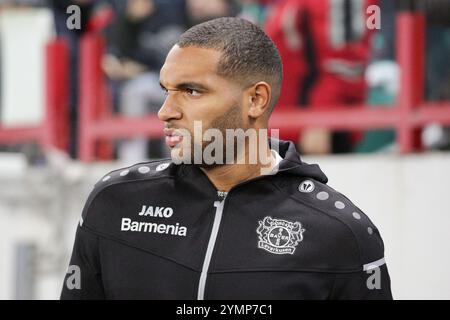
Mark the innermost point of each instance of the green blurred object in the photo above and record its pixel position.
(254, 12)
(375, 140)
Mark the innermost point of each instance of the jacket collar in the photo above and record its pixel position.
(292, 162)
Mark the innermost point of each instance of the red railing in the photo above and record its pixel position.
(406, 117)
(53, 131)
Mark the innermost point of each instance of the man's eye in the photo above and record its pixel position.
(193, 92)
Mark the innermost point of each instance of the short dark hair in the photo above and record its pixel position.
(248, 54)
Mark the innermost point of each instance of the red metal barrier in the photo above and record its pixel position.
(53, 131)
(410, 40)
(407, 117)
(94, 107)
(90, 87)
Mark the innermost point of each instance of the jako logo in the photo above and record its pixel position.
(162, 212)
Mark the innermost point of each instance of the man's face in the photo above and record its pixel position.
(195, 92)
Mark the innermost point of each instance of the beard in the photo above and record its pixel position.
(232, 119)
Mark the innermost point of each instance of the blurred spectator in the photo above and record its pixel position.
(333, 45)
(285, 25)
(138, 42)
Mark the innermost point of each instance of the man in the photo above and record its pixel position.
(235, 228)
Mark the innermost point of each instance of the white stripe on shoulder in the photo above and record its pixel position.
(373, 265)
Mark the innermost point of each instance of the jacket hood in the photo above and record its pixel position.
(292, 162)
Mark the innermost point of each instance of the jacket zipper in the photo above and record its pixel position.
(215, 230)
(209, 251)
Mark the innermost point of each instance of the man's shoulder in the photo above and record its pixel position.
(340, 220)
(122, 181)
(138, 172)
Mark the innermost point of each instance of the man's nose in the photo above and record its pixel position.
(169, 110)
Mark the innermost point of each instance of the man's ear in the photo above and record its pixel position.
(259, 96)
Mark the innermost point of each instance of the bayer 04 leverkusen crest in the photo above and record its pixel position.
(279, 236)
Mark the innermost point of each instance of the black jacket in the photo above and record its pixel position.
(158, 230)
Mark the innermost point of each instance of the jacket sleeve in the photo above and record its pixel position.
(83, 279)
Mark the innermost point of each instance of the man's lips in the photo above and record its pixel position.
(172, 141)
(172, 138)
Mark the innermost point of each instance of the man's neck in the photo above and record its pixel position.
(226, 176)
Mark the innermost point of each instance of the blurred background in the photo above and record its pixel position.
(366, 94)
